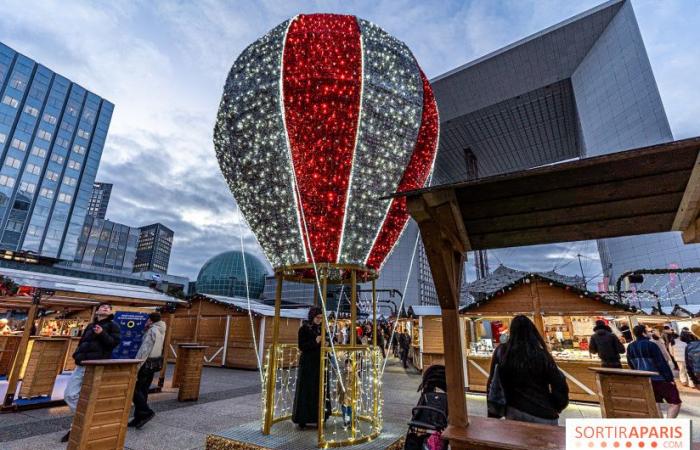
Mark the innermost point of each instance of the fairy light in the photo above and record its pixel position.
(321, 118)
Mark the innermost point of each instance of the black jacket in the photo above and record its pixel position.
(544, 394)
(606, 345)
(98, 346)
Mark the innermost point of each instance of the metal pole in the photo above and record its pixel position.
(583, 275)
(272, 364)
(353, 307)
(680, 281)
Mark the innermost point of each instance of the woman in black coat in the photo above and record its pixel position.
(309, 370)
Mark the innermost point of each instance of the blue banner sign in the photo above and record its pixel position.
(132, 326)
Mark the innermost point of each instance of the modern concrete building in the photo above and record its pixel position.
(99, 200)
(581, 88)
(154, 247)
(52, 132)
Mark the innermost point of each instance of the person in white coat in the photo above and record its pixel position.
(151, 354)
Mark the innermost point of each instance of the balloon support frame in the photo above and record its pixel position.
(335, 274)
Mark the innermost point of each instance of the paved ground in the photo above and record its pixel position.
(230, 398)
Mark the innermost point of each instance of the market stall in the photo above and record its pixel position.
(57, 308)
(565, 315)
(425, 325)
(224, 326)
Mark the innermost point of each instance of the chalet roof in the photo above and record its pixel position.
(64, 283)
(241, 304)
(505, 276)
(424, 310)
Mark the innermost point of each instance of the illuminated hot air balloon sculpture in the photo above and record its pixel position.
(320, 120)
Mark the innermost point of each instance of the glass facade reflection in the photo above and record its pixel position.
(52, 133)
(107, 244)
(99, 200)
(224, 274)
(153, 251)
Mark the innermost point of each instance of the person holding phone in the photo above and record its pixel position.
(99, 339)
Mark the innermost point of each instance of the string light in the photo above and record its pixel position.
(341, 108)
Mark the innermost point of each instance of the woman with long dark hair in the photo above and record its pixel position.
(309, 370)
(534, 387)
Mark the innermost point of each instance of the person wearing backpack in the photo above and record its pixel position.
(534, 388)
(644, 354)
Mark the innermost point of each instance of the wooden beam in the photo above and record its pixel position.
(21, 351)
(690, 204)
(444, 249)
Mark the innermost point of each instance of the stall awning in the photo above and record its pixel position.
(424, 310)
(257, 307)
(73, 288)
(647, 190)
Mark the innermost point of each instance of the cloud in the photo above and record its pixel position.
(163, 64)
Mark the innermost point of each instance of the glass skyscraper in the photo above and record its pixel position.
(107, 244)
(52, 132)
(99, 200)
(153, 250)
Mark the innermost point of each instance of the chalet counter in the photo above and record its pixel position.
(581, 380)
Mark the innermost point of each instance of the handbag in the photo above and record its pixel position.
(496, 400)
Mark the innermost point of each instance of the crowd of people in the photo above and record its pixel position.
(525, 383)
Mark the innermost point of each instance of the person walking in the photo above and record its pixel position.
(656, 339)
(644, 354)
(151, 352)
(405, 345)
(534, 387)
(692, 357)
(98, 341)
(606, 345)
(679, 347)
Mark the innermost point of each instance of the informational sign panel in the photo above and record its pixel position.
(132, 326)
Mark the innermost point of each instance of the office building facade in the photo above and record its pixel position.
(154, 247)
(52, 133)
(99, 200)
(578, 89)
(107, 244)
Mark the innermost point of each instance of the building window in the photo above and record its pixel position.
(13, 162)
(65, 126)
(33, 230)
(45, 192)
(3, 138)
(58, 159)
(11, 101)
(65, 198)
(31, 111)
(51, 175)
(7, 181)
(27, 187)
(50, 119)
(79, 149)
(70, 181)
(62, 142)
(38, 151)
(43, 134)
(83, 134)
(19, 144)
(13, 225)
(73, 164)
(25, 126)
(33, 169)
(18, 83)
(72, 111)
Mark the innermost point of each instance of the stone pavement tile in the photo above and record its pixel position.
(162, 437)
(8, 419)
(48, 413)
(205, 419)
(48, 441)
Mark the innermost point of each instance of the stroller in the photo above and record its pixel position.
(429, 417)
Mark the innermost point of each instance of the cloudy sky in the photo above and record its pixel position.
(163, 64)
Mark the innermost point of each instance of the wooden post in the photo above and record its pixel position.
(226, 336)
(537, 307)
(45, 362)
(272, 363)
(21, 350)
(104, 404)
(626, 393)
(195, 338)
(192, 362)
(322, 384)
(353, 307)
(179, 368)
(446, 242)
(166, 348)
